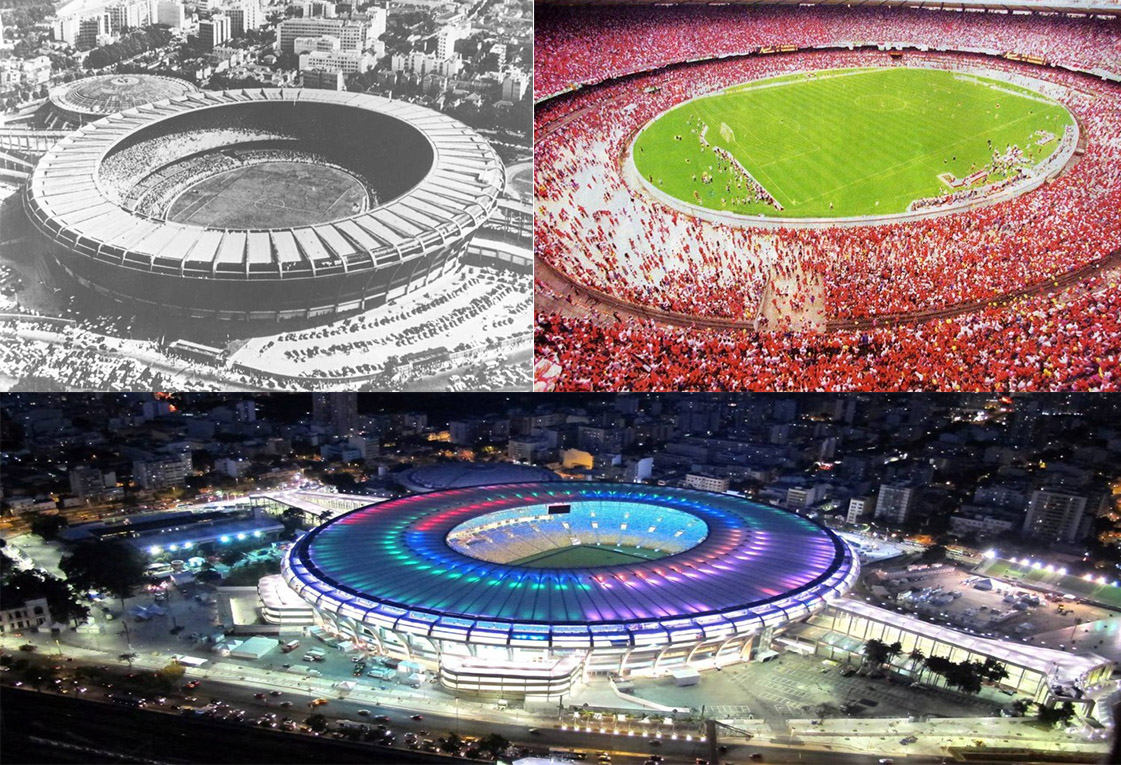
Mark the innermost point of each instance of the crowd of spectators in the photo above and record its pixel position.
(588, 44)
(154, 195)
(1041, 342)
(988, 276)
(593, 228)
(124, 168)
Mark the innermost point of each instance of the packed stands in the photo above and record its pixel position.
(637, 271)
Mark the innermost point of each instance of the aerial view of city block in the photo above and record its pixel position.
(247, 195)
(518, 578)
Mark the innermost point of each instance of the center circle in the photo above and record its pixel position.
(843, 145)
(578, 535)
(881, 102)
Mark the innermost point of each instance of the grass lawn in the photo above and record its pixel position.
(843, 143)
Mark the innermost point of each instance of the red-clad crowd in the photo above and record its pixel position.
(594, 228)
(1037, 343)
(584, 45)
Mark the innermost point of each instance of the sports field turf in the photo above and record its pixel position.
(582, 556)
(269, 195)
(843, 143)
(1107, 594)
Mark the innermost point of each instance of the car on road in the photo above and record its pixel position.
(416, 717)
(274, 693)
(258, 695)
(908, 740)
(364, 712)
(318, 702)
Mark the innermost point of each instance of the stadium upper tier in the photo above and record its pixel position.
(579, 46)
(731, 567)
(438, 181)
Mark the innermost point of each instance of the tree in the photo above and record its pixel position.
(104, 565)
(317, 722)
(451, 744)
(918, 660)
(20, 586)
(875, 652)
(495, 744)
(1060, 715)
(130, 657)
(939, 665)
(993, 670)
(171, 675)
(893, 650)
(47, 526)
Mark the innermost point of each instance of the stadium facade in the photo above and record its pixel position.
(437, 182)
(526, 589)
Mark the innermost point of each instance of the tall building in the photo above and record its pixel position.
(859, 507)
(446, 40)
(214, 31)
(353, 34)
(171, 13)
(377, 18)
(90, 30)
(338, 411)
(162, 472)
(317, 79)
(89, 482)
(895, 503)
(514, 85)
(1055, 515)
(246, 410)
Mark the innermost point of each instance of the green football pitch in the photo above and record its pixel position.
(585, 556)
(843, 143)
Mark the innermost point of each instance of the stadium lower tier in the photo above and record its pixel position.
(332, 290)
(622, 660)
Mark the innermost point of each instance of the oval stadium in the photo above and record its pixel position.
(530, 588)
(264, 204)
(798, 196)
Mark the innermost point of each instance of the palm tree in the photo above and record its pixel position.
(876, 652)
(918, 659)
(894, 650)
(129, 657)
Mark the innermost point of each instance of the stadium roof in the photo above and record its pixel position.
(95, 97)
(457, 194)
(460, 475)
(391, 565)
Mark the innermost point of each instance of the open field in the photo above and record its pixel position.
(844, 143)
(270, 195)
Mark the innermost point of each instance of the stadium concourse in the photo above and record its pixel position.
(1022, 294)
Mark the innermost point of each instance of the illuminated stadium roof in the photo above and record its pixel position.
(729, 565)
(455, 195)
(460, 475)
(95, 97)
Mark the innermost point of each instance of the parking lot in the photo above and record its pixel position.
(989, 613)
(798, 687)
